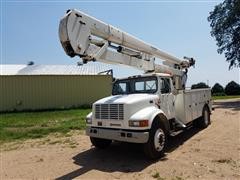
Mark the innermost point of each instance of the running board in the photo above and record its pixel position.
(175, 133)
(180, 124)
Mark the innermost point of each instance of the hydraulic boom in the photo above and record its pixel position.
(94, 40)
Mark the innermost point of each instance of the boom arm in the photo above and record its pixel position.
(92, 39)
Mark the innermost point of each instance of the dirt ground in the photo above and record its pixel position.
(212, 153)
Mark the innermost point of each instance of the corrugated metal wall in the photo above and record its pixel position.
(25, 92)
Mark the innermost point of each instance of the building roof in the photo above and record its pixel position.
(86, 69)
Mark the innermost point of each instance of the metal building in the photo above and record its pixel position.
(38, 87)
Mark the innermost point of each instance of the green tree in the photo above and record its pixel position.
(232, 88)
(225, 23)
(217, 90)
(199, 85)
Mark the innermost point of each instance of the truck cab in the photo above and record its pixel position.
(141, 109)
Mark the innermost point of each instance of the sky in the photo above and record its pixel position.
(29, 32)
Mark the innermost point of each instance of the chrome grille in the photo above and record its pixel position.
(109, 111)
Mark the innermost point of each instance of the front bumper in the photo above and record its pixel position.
(118, 135)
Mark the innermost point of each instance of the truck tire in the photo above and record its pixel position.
(157, 141)
(100, 143)
(204, 121)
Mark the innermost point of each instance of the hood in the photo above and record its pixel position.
(127, 99)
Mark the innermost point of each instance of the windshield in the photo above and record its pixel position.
(135, 85)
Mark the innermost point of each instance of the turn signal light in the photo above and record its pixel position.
(141, 123)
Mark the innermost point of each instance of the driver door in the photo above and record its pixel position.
(166, 97)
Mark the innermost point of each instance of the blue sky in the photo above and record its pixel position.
(29, 32)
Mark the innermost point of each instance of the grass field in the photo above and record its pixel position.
(225, 97)
(28, 125)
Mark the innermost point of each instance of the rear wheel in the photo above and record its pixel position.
(100, 143)
(204, 121)
(156, 144)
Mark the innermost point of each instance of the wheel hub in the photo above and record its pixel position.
(159, 140)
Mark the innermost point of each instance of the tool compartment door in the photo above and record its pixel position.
(188, 107)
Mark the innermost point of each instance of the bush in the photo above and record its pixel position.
(232, 88)
(218, 90)
(199, 85)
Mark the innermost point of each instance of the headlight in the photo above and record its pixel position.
(89, 118)
(140, 123)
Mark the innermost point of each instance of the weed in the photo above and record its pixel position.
(40, 160)
(196, 150)
(55, 142)
(223, 161)
(212, 171)
(157, 176)
(178, 178)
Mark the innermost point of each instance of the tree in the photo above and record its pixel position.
(199, 85)
(232, 88)
(225, 23)
(218, 90)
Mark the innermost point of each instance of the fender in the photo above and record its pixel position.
(149, 113)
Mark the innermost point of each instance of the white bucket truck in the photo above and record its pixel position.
(142, 109)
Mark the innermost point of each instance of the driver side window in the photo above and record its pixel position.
(120, 88)
(165, 86)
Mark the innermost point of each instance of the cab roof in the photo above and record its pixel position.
(147, 75)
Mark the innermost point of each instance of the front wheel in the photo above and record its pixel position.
(157, 141)
(100, 143)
